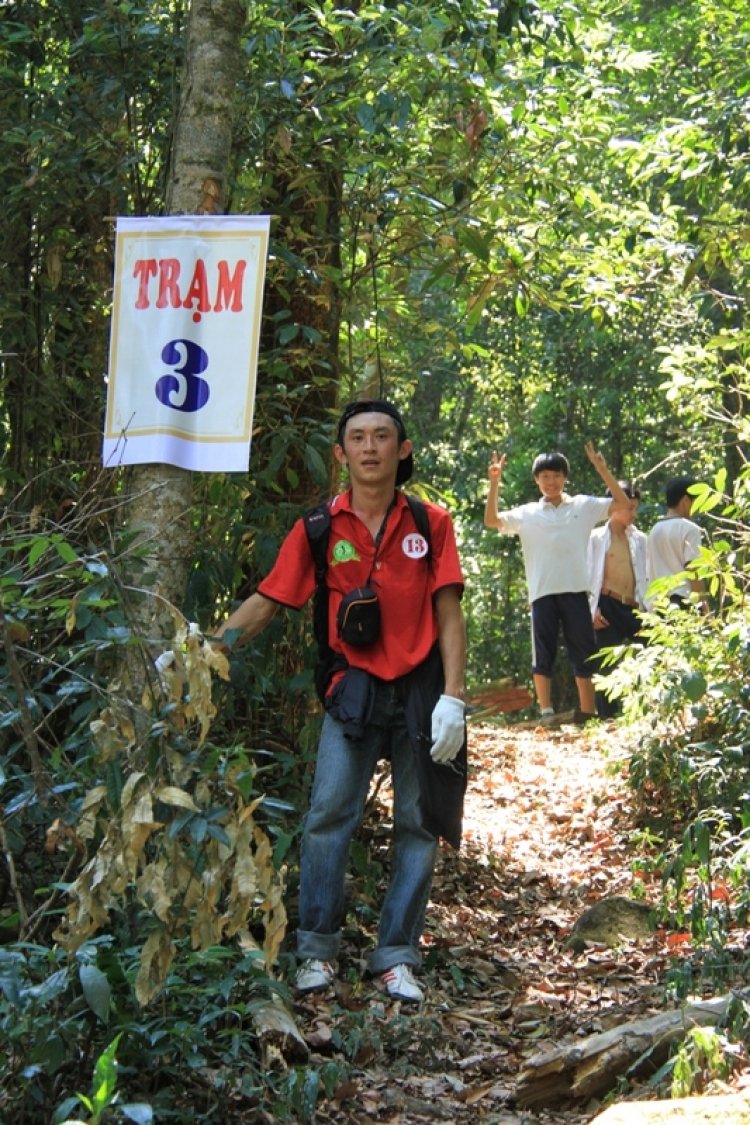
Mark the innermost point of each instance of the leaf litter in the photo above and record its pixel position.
(547, 829)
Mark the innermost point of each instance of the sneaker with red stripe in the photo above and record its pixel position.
(400, 984)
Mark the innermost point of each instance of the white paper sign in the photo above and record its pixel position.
(184, 340)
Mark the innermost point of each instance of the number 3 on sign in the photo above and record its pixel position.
(183, 389)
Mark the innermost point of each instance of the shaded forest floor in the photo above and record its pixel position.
(547, 833)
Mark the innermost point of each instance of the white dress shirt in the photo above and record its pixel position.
(599, 544)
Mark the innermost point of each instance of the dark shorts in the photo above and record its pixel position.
(572, 612)
(624, 622)
(624, 625)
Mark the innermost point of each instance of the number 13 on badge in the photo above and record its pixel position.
(184, 340)
(415, 546)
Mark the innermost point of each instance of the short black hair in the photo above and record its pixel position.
(631, 491)
(550, 463)
(676, 488)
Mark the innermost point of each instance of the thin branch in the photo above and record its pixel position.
(13, 877)
(27, 726)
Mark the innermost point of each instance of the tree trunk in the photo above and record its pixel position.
(160, 495)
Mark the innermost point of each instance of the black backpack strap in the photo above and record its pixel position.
(421, 519)
(317, 523)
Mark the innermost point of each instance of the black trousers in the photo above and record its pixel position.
(624, 625)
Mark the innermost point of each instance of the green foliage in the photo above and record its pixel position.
(88, 96)
(68, 766)
(701, 1059)
(688, 689)
(525, 225)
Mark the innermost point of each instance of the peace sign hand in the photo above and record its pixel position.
(596, 459)
(497, 464)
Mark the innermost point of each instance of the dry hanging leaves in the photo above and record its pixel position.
(147, 840)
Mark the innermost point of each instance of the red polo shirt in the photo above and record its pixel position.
(406, 586)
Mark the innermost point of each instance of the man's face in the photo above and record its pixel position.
(371, 448)
(625, 517)
(551, 483)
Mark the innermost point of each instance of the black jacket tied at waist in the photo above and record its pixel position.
(441, 786)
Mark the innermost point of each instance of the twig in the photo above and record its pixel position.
(34, 921)
(13, 878)
(27, 727)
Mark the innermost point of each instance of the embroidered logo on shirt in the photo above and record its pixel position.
(414, 546)
(344, 551)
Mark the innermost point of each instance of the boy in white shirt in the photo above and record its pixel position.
(674, 541)
(617, 583)
(554, 533)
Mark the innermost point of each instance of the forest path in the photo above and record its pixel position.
(545, 835)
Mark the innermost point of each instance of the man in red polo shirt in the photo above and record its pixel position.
(400, 696)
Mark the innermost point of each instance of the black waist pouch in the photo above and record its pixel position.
(358, 618)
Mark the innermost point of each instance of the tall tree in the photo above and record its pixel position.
(161, 495)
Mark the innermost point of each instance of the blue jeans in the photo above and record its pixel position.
(343, 773)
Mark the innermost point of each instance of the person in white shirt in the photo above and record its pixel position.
(618, 580)
(554, 533)
(674, 541)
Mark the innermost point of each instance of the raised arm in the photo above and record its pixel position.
(497, 465)
(619, 498)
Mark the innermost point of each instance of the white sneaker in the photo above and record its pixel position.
(401, 985)
(313, 975)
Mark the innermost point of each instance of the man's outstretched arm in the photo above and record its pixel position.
(251, 617)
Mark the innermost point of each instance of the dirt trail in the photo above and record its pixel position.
(545, 837)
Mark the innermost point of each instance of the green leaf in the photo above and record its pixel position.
(114, 783)
(219, 834)
(694, 685)
(360, 857)
(104, 1085)
(65, 1109)
(96, 990)
(476, 243)
(366, 117)
(315, 465)
(198, 829)
(701, 841)
(38, 547)
(66, 552)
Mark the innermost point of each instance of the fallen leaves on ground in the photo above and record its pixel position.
(546, 834)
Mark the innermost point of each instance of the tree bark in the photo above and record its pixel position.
(160, 495)
(590, 1067)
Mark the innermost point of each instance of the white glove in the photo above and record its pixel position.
(447, 728)
(170, 668)
(165, 661)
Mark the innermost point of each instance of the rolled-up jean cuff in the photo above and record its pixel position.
(385, 957)
(318, 947)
